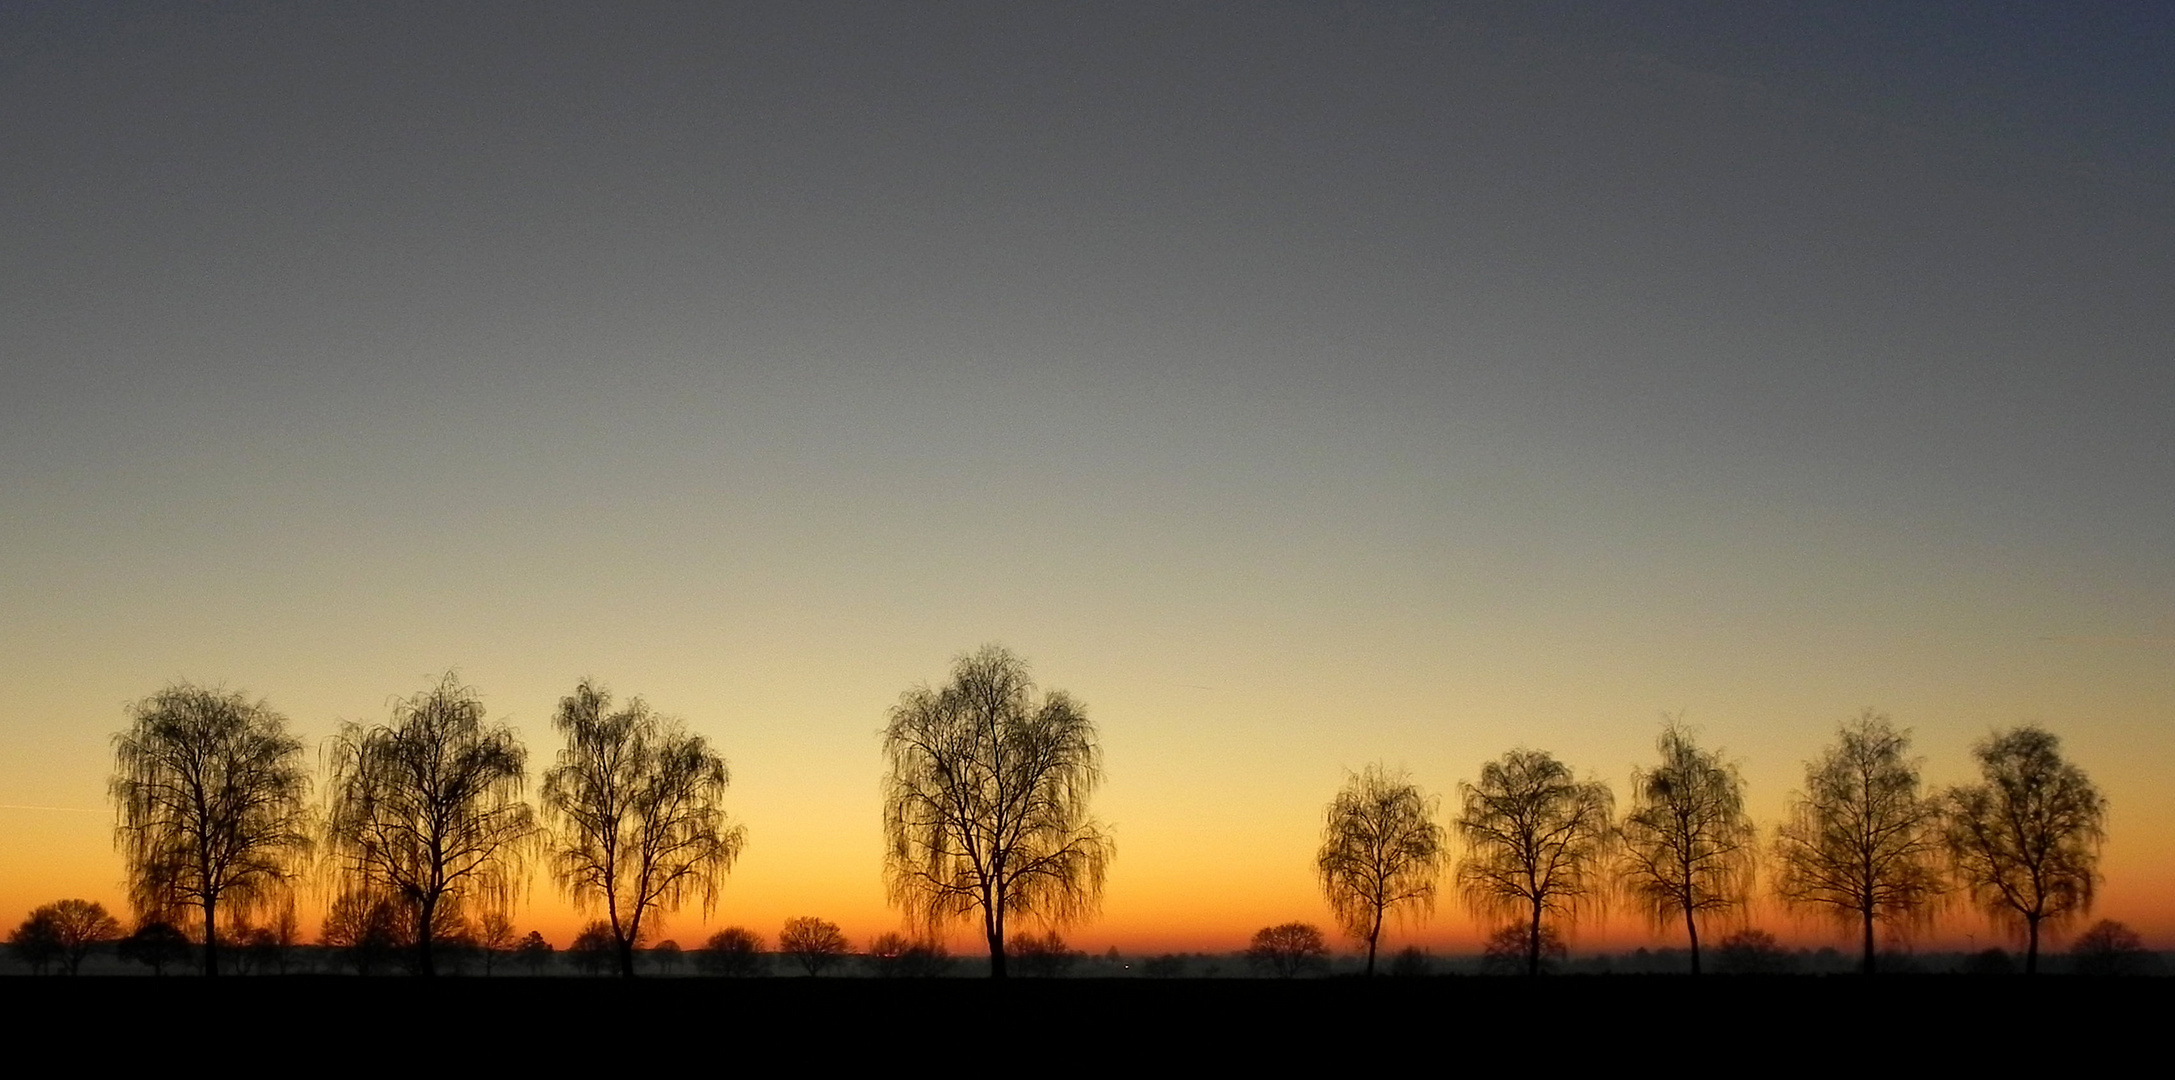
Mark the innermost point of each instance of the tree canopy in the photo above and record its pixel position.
(1537, 840)
(1689, 847)
(2025, 841)
(1381, 853)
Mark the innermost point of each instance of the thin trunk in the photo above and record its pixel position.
(1372, 936)
(2031, 948)
(211, 936)
(1533, 943)
(425, 919)
(1691, 930)
(1868, 940)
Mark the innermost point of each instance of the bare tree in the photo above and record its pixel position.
(1288, 950)
(1381, 853)
(155, 944)
(1860, 843)
(1537, 841)
(2025, 843)
(1689, 847)
(364, 931)
(72, 928)
(894, 955)
(211, 799)
(533, 953)
(428, 809)
(1510, 950)
(734, 952)
(634, 799)
(816, 944)
(986, 802)
(495, 937)
(2111, 948)
(1753, 951)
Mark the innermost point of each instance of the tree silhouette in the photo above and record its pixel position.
(592, 950)
(533, 953)
(495, 937)
(2110, 948)
(735, 952)
(815, 944)
(1288, 950)
(1753, 952)
(428, 809)
(1511, 950)
(1044, 955)
(155, 944)
(65, 931)
(634, 799)
(365, 931)
(986, 802)
(211, 797)
(895, 955)
(2025, 843)
(1860, 843)
(1536, 844)
(667, 956)
(1381, 853)
(1689, 847)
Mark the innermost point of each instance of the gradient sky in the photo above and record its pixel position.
(1297, 385)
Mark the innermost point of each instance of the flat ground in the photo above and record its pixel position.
(1549, 1025)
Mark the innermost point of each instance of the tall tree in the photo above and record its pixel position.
(1537, 840)
(427, 810)
(1689, 847)
(211, 799)
(1381, 853)
(1861, 843)
(637, 826)
(2025, 842)
(986, 802)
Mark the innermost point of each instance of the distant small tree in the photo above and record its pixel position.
(734, 952)
(1381, 853)
(155, 944)
(667, 956)
(2110, 948)
(1164, 966)
(1288, 950)
(1861, 844)
(1537, 842)
(534, 953)
(65, 931)
(1994, 961)
(817, 945)
(594, 949)
(1044, 955)
(1412, 962)
(2025, 842)
(1689, 847)
(365, 932)
(36, 943)
(1752, 952)
(1510, 950)
(495, 937)
(895, 955)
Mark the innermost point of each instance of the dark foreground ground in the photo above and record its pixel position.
(1549, 1026)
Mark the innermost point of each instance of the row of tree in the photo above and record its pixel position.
(424, 817)
(986, 818)
(1863, 842)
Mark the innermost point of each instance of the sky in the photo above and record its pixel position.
(1297, 386)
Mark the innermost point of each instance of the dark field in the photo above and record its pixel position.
(1551, 1025)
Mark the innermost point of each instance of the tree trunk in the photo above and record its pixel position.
(1868, 940)
(211, 936)
(424, 918)
(2031, 947)
(1533, 943)
(1691, 931)
(1371, 937)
